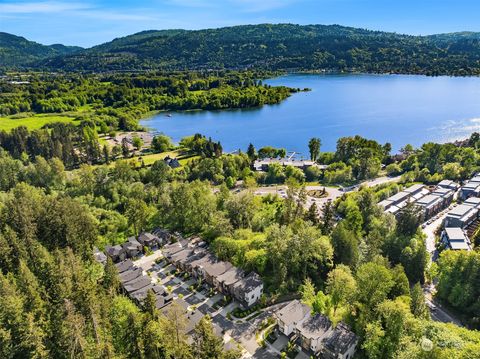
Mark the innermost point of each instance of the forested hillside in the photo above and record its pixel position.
(18, 52)
(282, 46)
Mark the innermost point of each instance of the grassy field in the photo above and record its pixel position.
(150, 159)
(32, 122)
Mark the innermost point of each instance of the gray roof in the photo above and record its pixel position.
(460, 211)
(472, 201)
(415, 188)
(182, 255)
(114, 250)
(400, 196)
(231, 276)
(130, 275)
(124, 266)
(171, 249)
(293, 312)
(147, 237)
(193, 318)
(141, 294)
(248, 283)
(214, 269)
(137, 284)
(429, 200)
(341, 339)
(208, 258)
(455, 234)
(314, 326)
(132, 243)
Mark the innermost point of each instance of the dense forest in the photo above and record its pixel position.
(365, 269)
(270, 46)
(18, 52)
(94, 105)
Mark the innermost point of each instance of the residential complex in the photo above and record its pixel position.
(430, 202)
(315, 333)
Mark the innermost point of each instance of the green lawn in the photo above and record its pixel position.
(32, 122)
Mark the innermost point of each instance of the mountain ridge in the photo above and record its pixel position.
(277, 47)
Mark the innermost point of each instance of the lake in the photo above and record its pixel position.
(398, 109)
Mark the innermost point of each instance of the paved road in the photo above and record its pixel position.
(430, 230)
(437, 312)
(381, 180)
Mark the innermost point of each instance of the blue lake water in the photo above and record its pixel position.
(398, 109)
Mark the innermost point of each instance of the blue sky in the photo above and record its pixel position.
(87, 22)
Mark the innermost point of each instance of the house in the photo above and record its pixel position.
(446, 194)
(289, 316)
(196, 266)
(124, 266)
(430, 205)
(341, 344)
(141, 294)
(448, 185)
(172, 162)
(163, 235)
(132, 247)
(137, 284)
(117, 253)
(180, 257)
(148, 239)
(162, 301)
(186, 264)
(248, 290)
(99, 256)
(130, 275)
(170, 249)
(471, 188)
(210, 270)
(312, 330)
(224, 283)
(455, 239)
(461, 216)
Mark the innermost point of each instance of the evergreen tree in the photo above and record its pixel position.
(111, 282)
(314, 148)
(251, 152)
(417, 305)
(207, 345)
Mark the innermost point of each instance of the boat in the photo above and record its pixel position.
(168, 115)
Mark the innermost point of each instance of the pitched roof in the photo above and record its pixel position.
(231, 276)
(341, 339)
(293, 312)
(114, 250)
(248, 283)
(137, 284)
(314, 326)
(141, 294)
(124, 266)
(130, 275)
(214, 269)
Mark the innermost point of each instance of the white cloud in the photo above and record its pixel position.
(69, 8)
(43, 7)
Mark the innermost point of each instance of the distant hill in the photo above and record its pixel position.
(280, 47)
(18, 52)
